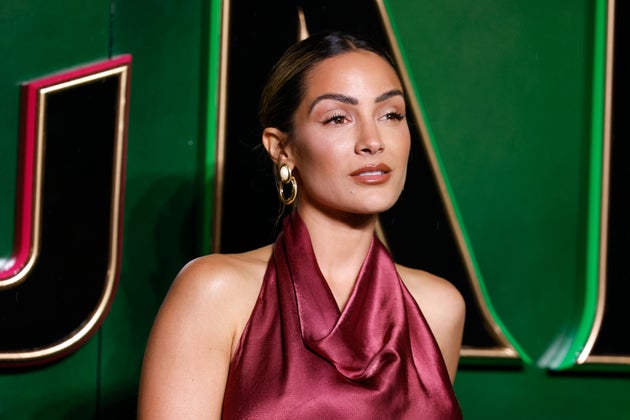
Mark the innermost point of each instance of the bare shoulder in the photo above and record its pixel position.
(223, 276)
(430, 290)
(218, 266)
(195, 333)
(222, 287)
(443, 307)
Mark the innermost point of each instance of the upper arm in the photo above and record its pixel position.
(188, 353)
(447, 323)
(444, 309)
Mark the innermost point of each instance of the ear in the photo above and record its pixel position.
(275, 141)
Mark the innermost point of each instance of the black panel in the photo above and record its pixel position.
(258, 36)
(417, 227)
(613, 337)
(69, 276)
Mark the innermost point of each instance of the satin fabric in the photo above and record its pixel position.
(299, 357)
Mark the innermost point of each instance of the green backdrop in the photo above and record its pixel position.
(507, 90)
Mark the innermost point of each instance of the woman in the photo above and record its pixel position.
(322, 324)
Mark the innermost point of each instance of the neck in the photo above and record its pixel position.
(340, 245)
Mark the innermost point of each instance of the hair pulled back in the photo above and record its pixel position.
(286, 85)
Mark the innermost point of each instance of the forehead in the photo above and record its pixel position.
(355, 71)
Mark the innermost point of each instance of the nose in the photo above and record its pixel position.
(369, 141)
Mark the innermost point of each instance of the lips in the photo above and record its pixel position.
(372, 174)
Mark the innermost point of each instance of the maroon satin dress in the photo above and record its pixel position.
(301, 358)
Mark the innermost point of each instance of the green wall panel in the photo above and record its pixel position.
(38, 38)
(507, 91)
(63, 390)
(163, 164)
(536, 394)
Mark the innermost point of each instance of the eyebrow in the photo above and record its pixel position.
(353, 101)
(389, 94)
(335, 97)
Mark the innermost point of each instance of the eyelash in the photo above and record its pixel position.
(337, 119)
(395, 116)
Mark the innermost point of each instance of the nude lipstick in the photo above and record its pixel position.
(372, 174)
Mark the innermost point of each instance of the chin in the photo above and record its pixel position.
(378, 207)
(383, 202)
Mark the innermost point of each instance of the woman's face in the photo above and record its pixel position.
(351, 140)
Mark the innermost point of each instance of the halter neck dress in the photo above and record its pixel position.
(300, 357)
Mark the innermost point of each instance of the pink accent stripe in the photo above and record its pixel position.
(23, 245)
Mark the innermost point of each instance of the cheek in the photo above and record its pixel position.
(316, 151)
(403, 143)
(317, 162)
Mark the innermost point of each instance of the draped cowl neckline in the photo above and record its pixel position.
(359, 340)
(301, 357)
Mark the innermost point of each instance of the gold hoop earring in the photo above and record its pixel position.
(286, 178)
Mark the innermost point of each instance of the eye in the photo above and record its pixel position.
(394, 116)
(336, 119)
